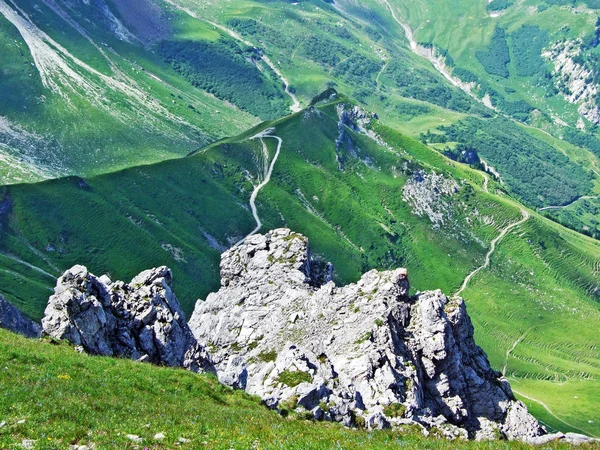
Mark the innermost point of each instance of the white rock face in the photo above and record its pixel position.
(572, 78)
(364, 354)
(427, 194)
(141, 320)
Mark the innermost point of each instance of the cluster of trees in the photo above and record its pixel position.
(227, 71)
(337, 30)
(407, 110)
(358, 70)
(581, 139)
(251, 27)
(324, 51)
(536, 172)
(423, 86)
(527, 45)
(496, 58)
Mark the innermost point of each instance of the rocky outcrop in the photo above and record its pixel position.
(428, 196)
(141, 320)
(572, 77)
(367, 354)
(353, 117)
(13, 320)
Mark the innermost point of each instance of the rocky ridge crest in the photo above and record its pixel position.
(364, 354)
(141, 320)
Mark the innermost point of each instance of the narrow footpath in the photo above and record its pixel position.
(266, 177)
(492, 249)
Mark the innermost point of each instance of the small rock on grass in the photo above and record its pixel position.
(134, 438)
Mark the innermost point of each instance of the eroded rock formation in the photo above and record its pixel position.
(367, 353)
(141, 320)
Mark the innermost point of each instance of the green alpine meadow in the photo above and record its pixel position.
(368, 224)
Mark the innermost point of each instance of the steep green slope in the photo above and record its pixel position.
(402, 204)
(83, 94)
(95, 88)
(42, 402)
(184, 212)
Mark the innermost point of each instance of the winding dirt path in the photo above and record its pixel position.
(486, 180)
(492, 249)
(585, 197)
(380, 73)
(31, 266)
(549, 411)
(267, 177)
(510, 350)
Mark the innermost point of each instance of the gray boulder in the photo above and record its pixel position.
(141, 320)
(13, 320)
(364, 354)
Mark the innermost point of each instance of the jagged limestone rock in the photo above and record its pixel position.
(141, 320)
(13, 320)
(367, 353)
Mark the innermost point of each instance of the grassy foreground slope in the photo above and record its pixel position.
(56, 397)
(529, 306)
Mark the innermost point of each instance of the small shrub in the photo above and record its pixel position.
(365, 337)
(288, 405)
(394, 410)
(359, 421)
(325, 406)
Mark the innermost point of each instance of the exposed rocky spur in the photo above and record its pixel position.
(141, 320)
(367, 354)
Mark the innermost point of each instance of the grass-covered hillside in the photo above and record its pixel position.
(401, 204)
(534, 62)
(502, 50)
(91, 88)
(94, 88)
(419, 82)
(134, 405)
